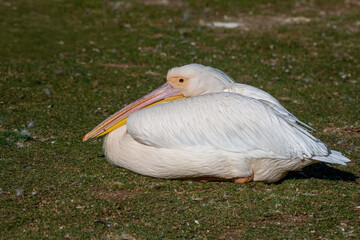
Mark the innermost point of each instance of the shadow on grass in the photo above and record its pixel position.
(321, 171)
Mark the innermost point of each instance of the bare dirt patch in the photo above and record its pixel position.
(171, 3)
(118, 196)
(232, 234)
(301, 13)
(282, 222)
(122, 236)
(256, 22)
(119, 65)
(347, 131)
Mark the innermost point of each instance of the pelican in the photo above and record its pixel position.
(200, 124)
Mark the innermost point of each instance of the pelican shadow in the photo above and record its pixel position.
(321, 171)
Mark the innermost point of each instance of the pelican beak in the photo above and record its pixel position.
(165, 93)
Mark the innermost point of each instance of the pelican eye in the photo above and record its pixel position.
(181, 80)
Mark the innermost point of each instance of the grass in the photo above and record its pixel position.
(67, 65)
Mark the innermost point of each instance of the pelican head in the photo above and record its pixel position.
(196, 79)
(186, 81)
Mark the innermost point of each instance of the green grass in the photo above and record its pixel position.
(54, 186)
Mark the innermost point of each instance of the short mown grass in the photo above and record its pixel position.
(67, 65)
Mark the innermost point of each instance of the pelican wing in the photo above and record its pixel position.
(267, 99)
(227, 121)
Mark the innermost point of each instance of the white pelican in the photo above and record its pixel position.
(209, 127)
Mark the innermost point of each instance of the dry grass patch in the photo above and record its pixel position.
(113, 195)
(345, 131)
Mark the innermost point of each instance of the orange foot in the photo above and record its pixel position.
(245, 179)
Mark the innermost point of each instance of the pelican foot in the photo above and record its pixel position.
(245, 179)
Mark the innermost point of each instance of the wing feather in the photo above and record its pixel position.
(267, 99)
(227, 121)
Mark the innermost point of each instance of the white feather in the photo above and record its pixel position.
(226, 121)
